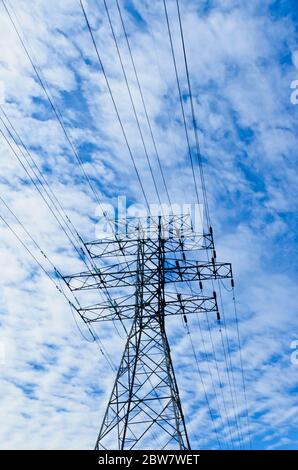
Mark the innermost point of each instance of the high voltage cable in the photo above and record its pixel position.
(218, 373)
(40, 192)
(41, 83)
(80, 252)
(240, 358)
(42, 181)
(114, 104)
(210, 373)
(194, 123)
(143, 100)
(56, 285)
(181, 100)
(34, 258)
(193, 116)
(132, 101)
(212, 380)
(241, 365)
(202, 381)
(40, 173)
(54, 107)
(138, 82)
(142, 97)
(57, 114)
(230, 362)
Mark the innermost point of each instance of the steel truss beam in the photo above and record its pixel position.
(175, 305)
(119, 276)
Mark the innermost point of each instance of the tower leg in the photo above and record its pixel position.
(144, 406)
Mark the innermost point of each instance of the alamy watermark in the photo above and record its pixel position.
(127, 220)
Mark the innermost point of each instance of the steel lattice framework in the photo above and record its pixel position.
(145, 403)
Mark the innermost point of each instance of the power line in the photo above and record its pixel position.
(34, 258)
(54, 107)
(58, 115)
(202, 381)
(132, 101)
(193, 117)
(130, 49)
(212, 379)
(43, 181)
(199, 156)
(60, 278)
(233, 390)
(181, 102)
(143, 100)
(241, 366)
(218, 374)
(40, 192)
(66, 225)
(115, 105)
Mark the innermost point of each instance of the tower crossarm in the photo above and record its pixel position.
(186, 271)
(129, 246)
(174, 305)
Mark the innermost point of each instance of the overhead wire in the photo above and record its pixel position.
(181, 102)
(206, 208)
(59, 117)
(40, 192)
(89, 27)
(199, 157)
(53, 105)
(231, 376)
(57, 284)
(202, 382)
(43, 182)
(143, 100)
(12, 230)
(114, 104)
(194, 122)
(242, 368)
(132, 101)
(221, 386)
(42, 179)
(181, 105)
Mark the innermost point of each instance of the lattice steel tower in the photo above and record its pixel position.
(145, 403)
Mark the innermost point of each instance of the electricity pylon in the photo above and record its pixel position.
(145, 402)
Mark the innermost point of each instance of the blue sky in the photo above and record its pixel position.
(243, 57)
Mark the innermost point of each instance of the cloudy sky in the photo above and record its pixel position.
(243, 58)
